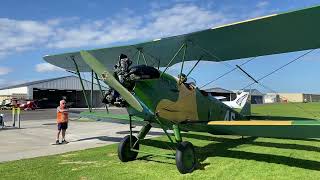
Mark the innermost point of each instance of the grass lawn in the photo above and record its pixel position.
(290, 110)
(220, 157)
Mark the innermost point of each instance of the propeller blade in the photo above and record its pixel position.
(100, 69)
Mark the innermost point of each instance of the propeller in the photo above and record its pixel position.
(108, 78)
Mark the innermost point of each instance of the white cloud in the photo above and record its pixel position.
(72, 32)
(166, 22)
(46, 67)
(23, 35)
(262, 4)
(4, 70)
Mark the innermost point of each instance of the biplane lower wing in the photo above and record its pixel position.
(261, 128)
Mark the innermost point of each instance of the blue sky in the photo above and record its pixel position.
(31, 29)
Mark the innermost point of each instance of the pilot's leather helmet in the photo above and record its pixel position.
(123, 56)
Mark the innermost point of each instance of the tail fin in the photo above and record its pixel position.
(246, 110)
(239, 102)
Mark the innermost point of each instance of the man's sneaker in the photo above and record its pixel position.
(57, 142)
(64, 142)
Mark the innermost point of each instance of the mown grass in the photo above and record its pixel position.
(219, 157)
(290, 110)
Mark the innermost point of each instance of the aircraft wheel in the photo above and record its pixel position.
(185, 157)
(124, 152)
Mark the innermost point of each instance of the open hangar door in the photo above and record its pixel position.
(49, 98)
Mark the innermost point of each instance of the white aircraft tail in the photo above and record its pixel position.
(239, 102)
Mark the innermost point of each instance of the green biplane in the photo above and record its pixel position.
(173, 104)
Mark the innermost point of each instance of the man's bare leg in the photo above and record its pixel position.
(63, 134)
(58, 135)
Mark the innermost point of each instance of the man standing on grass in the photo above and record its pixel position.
(62, 121)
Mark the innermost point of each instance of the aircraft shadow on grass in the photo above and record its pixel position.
(222, 148)
(116, 139)
(101, 138)
(153, 133)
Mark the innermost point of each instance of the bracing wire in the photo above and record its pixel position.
(281, 67)
(259, 83)
(226, 73)
(276, 70)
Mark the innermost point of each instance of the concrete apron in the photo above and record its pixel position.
(37, 136)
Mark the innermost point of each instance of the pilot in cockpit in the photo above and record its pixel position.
(182, 78)
(122, 67)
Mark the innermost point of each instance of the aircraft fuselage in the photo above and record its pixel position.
(181, 102)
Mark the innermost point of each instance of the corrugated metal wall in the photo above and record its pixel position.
(18, 90)
(311, 97)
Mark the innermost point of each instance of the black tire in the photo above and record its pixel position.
(124, 152)
(185, 157)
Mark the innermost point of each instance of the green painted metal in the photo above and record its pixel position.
(144, 131)
(153, 92)
(177, 134)
(173, 58)
(81, 82)
(99, 85)
(91, 91)
(130, 128)
(164, 129)
(139, 53)
(306, 122)
(169, 102)
(183, 59)
(100, 89)
(194, 66)
(299, 129)
(286, 32)
(144, 59)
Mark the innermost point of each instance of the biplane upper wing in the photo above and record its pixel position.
(273, 34)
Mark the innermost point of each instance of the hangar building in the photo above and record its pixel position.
(294, 97)
(256, 96)
(48, 92)
(217, 91)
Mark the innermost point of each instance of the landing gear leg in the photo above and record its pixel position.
(185, 155)
(129, 146)
(144, 131)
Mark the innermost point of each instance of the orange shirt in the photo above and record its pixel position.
(62, 115)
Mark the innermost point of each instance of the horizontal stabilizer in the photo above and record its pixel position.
(261, 128)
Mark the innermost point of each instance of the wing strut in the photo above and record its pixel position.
(175, 55)
(83, 90)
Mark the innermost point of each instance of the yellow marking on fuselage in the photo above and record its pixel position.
(251, 123)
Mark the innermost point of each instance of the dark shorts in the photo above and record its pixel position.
(62, 126)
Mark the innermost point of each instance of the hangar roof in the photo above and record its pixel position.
(218, 90)
(70, 82)
(254, 92)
